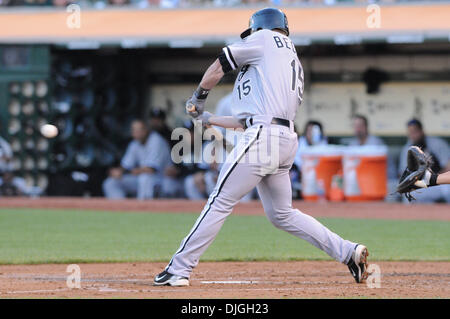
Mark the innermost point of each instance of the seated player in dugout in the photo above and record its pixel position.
(362, 137)
(439, 151)
(361, 133)
(140, 170)
(266, 95)
(10, 184)
(184, 166)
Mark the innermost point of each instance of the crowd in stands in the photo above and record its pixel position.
(186, 3)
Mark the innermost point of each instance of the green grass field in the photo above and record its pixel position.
(69, 236)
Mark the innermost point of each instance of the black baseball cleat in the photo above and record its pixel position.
(167, 279)
(358, 263)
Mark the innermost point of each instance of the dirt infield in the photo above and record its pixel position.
(300, 279)
(377, 210)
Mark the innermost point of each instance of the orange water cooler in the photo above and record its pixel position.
(365, 173)
(319, 165)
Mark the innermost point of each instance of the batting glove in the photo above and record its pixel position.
(196, 104)
(194, 107)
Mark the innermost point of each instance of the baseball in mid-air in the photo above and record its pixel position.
(49, 130)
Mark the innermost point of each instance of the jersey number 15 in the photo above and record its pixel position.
(297, 76)
(246, 88)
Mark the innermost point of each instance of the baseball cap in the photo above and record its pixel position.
(415, 122)
(157, 113)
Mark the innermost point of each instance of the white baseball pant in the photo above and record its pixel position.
(238, 176)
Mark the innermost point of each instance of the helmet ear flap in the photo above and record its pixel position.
(246, 33)
(286, 24)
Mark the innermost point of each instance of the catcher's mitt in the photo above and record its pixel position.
(412, 178)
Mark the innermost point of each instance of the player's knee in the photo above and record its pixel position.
(274, 221)
(112, 188)
(146, 186)
(278, 217)
(146, 180)
(170, 187)
(109, 183)
(223, 203)
(190, 190)
(274, 218)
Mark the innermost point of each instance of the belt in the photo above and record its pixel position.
(275, 120)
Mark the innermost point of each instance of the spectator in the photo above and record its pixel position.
(195, 184)
(199, 185)
(118, 2)
(189, 3)
(195, 179)
(170, 187)
(363, 137)
(61, 3)
(313, 135)
(231, 137)
(7, 187)
(175, 173)
(223, 108)
(5, 155)
(10, 185)
(140, 170)
(439, 151)
(361, 131)
(157, 122)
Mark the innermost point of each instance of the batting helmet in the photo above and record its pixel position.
(267, 18)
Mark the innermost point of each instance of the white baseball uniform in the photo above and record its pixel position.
(269, 84)
(154, 153)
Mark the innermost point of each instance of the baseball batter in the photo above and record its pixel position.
(267, 92)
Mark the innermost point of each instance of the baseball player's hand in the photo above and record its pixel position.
(425, 181)
(418, 173)
(195, 107)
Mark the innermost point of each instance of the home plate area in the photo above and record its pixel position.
(296, 279)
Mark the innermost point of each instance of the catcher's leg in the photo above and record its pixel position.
(275, 193)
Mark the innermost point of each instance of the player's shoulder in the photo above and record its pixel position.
(156, 138)
(153, 136)
(133, 145)
(260, 35)
(376, 140)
